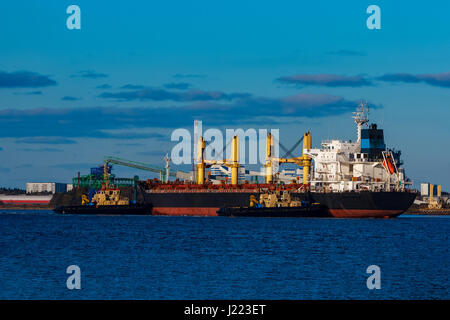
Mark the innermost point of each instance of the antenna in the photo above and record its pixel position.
(366, 104)
(167, 161)
(361, 116)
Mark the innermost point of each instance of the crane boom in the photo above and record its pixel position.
(146, 167)
(133, 164)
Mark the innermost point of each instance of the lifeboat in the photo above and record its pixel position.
(388, 163)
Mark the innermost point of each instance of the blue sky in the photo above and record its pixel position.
(137, 70)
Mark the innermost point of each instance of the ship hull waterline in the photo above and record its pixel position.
(315, 211)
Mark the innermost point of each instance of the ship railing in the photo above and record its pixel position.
(202, 190)
(261, 188)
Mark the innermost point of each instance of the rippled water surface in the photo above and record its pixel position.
(132, 257)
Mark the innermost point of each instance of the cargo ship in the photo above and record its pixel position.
(360, 179)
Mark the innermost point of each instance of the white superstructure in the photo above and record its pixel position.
(361, 165)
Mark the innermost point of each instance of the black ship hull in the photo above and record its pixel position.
(106, 210)
(196, 203)
(365, 204)
(340, 204)
(193, 203)
(316, 211)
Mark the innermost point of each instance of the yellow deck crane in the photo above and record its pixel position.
(232, 163)
(303, 161)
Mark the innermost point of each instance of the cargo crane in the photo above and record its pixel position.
(164, 172)
(232, 163)
(302, 161)
(151, 168)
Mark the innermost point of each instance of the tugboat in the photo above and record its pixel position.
(107, 201)
(276, 205)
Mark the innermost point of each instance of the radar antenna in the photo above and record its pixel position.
(361, 117)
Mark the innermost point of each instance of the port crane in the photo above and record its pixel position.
(151, 168)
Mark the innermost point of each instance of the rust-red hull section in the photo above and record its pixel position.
(185, 211)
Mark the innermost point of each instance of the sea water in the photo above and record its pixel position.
(149, 257)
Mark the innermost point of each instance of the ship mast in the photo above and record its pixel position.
(361, 117)
(167, 161)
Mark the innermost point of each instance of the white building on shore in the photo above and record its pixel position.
(52, 187)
